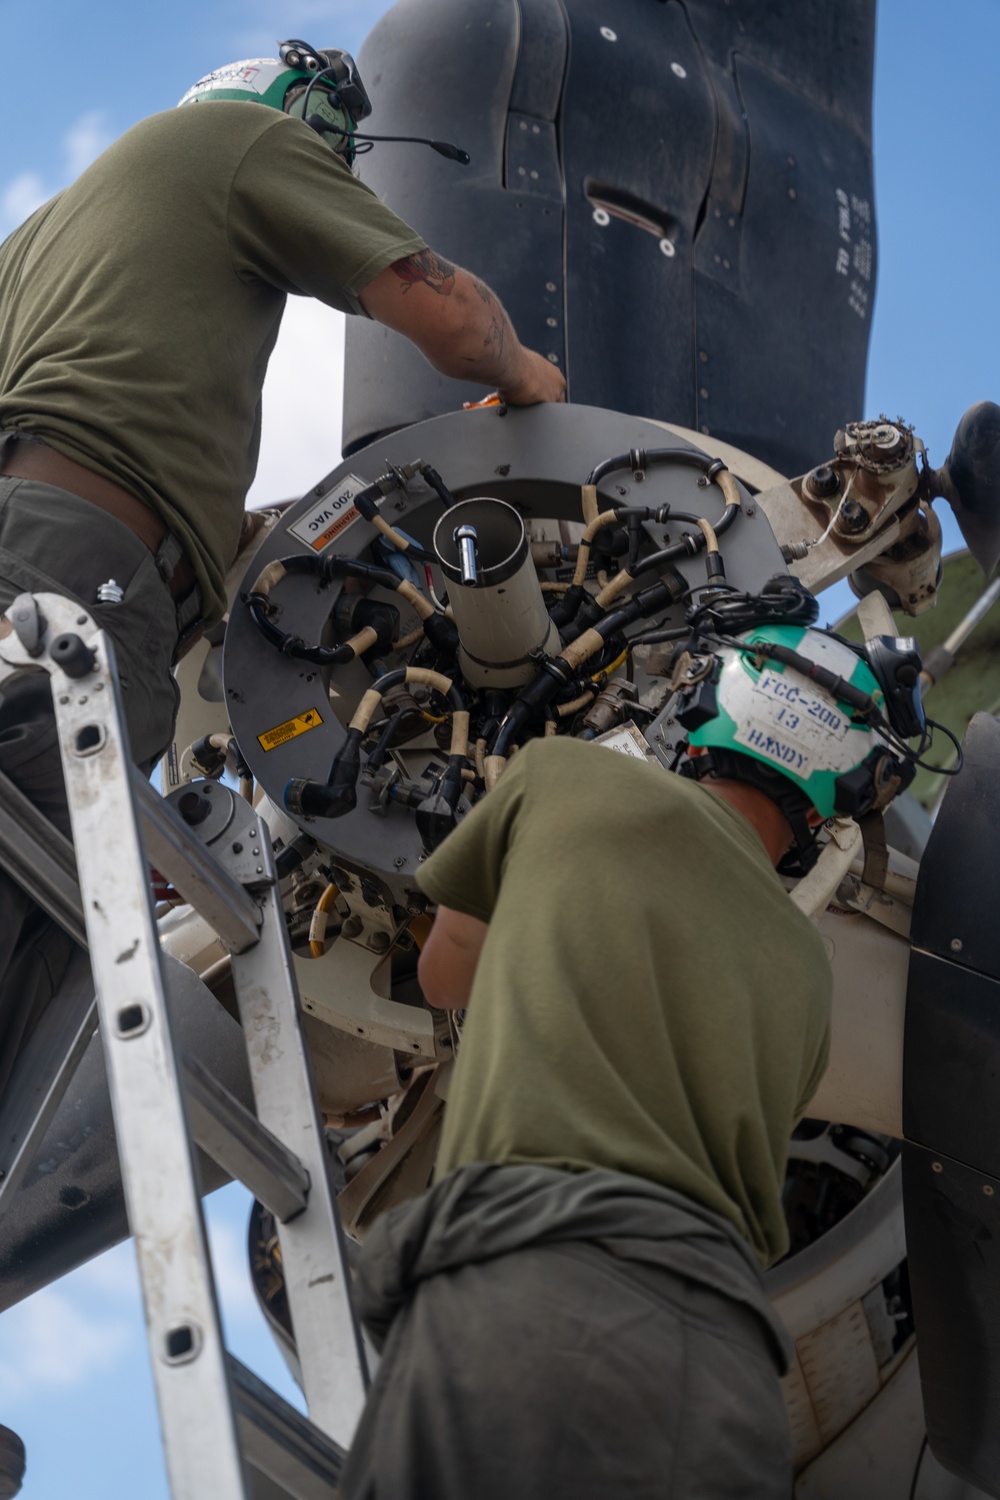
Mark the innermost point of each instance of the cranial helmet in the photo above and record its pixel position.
(323, 87)
(805, 717)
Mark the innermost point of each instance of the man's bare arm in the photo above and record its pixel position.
(461, 327)
(450, 957)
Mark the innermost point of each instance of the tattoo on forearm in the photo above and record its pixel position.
(495, 337)
(428, 268)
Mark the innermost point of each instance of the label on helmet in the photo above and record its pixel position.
(331, 516)
(798, 730)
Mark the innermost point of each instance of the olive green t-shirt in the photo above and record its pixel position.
(648, 999)
(138, 308)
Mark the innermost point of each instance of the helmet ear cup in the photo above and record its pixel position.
(896, 663)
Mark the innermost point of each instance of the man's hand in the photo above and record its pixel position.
(450, 957)
(542, 381)
(460, 326)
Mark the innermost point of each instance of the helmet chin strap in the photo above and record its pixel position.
(792, 802)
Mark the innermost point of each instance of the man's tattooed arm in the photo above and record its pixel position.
(462, 329)
(428, 268)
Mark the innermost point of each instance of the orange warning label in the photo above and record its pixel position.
(290, 730)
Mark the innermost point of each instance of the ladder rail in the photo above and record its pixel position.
(159, 1172)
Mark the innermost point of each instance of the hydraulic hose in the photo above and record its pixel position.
(339, 794)
(559, 671)
(440, 631)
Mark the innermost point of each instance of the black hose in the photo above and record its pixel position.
(691, 458)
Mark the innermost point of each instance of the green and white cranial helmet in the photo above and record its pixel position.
(325, 81)
(820, 724)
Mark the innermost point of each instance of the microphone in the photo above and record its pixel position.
(443, 148)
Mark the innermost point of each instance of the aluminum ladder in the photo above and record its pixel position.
(226, 1435)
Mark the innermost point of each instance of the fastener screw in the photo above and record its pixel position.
(853, 516)
(955, 945)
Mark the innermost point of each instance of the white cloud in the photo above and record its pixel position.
(86, 138)
(303, 396)
(81, 144)
(21, 197)
(47, 1343)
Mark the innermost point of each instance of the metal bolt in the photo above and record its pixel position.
(936, 1166)
(678, 70)
(81, 619)
(82, 698)
(552, 323)
(608, 34)
(399, 861)
(703, 356)
(824, 481)
(703, 393)
(749, 510)
(252, 832)
(256, 853)
(955, 945)
(237, 847)
(602, 217)
(726, 265)
(260, 869)
(352, 926)
(553, 359)
(988, 1189)
(668, 248)
(64, 699)
(550, 286)
(98, 687)
(853, 516)
(524, 125)
(792, 194)
(379, 941)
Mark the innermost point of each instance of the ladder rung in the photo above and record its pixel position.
(303, 1462)
(181, 856)
(40, 859)
(237, 1140)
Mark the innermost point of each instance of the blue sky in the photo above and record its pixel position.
(74, 1377)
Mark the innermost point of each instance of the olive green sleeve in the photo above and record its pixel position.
(465, 872)
(300, 220)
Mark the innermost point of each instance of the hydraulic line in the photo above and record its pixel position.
(558, 672)
(320, 917)
(565, 613)
(338, 795)
(438, 630)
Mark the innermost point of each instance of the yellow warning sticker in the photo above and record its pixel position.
(291, 728)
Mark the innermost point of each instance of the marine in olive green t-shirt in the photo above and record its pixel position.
(139, 307)
(648, 998)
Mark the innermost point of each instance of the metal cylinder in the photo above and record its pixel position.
(501, 618)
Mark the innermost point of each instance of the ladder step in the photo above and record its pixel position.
(40, 859)
(301, 1462)
(237, 1140)
(192, 869)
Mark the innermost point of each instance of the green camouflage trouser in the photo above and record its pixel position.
(53, 542)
